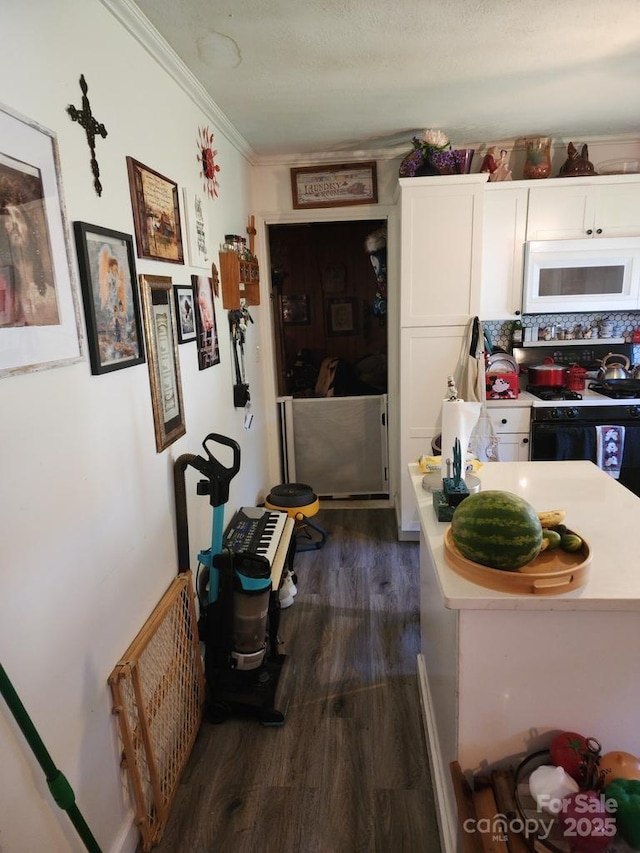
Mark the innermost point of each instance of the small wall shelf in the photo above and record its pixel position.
(239, 278)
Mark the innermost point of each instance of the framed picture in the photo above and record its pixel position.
(342, 317)
(295, 310)
(110, 296)
(162, 355)
(197, 231)
(156, 214)
(334, 277)
(39, 305)
(207, 330)
(334, 186)
(185, 313)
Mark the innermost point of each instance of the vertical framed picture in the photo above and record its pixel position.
(185, 313)
(162, 356)
(206, 326)
(342, 317)
(39, 305)
(110, 297)
(156, 214)
(197, 229)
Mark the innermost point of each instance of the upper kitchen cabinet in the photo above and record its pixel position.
(569, 208)
(441, 249)
(503, 236)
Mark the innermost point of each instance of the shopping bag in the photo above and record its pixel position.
(470, 371)
(483, 443)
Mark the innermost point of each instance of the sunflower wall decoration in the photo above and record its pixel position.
(206, 157)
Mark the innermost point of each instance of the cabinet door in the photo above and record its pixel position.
(559, 212)
(584, 210)
(503, 235)
(427, 356)
(513, 447)
(617, 209)
(511, 424)
(441, 245)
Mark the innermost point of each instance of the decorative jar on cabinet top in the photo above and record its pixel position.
(538, 163)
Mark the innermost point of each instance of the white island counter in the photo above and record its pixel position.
(498, 671)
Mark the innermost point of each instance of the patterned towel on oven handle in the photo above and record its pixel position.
(610, 448)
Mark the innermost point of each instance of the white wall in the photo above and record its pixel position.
(86, 515)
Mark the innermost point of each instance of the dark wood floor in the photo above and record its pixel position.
(348, 770)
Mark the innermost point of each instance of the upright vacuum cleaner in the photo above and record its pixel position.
(242, 665)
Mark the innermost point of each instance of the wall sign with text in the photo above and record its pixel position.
(334, 186)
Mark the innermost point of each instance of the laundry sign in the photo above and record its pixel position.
(335, 185)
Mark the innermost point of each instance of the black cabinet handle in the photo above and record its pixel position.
(503, 421)
(525, 441)
(598, 230)
(590, 231)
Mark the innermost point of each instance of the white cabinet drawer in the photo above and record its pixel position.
(507, 419)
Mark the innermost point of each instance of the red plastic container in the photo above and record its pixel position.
(502, 386)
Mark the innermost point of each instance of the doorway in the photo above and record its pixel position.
(330, 342)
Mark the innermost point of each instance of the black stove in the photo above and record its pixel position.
(621, 389)
(605, 414)
(553, 392)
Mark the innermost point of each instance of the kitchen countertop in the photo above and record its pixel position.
(598, 508)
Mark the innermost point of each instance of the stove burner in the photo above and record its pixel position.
(616, 392)
(553, 392)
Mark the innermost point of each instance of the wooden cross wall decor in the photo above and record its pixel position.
(92, 127)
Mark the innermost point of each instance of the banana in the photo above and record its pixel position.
(552, 517)
(544, 546)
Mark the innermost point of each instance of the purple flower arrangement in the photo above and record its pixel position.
(432, 155)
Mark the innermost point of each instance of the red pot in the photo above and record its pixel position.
(576, 376)
(547, 374)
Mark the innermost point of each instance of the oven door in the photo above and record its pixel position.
(550, 442)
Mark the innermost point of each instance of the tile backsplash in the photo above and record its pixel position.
(624, 325)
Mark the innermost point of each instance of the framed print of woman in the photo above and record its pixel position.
(26, 267)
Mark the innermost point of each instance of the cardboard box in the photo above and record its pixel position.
(502, 386)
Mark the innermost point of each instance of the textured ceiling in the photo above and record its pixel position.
(299, 76)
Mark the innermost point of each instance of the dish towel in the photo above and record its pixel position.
(610, 447)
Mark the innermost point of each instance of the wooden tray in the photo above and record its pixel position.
(551, 573)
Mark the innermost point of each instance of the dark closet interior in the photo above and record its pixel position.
(329, 289)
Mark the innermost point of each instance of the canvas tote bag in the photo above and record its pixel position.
(470, 381)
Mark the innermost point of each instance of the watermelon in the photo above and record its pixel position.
(497, 529)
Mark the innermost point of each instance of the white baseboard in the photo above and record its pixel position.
(128, 837)
(445, 809)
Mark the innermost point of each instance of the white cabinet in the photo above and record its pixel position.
(503, 235)
(427, 356)
(440, 249)
(511, 425)
(566, 210)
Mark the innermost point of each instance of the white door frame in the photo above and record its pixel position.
(262, 222)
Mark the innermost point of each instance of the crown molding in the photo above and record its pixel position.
(132, 19)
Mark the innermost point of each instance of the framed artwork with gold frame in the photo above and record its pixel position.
(162, 357)
(156, 214)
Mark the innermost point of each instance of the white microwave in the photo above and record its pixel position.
(597, 274)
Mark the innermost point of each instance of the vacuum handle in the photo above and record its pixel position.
(233, 469)
(220, 475)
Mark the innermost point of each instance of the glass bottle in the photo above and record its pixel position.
(517, 333)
